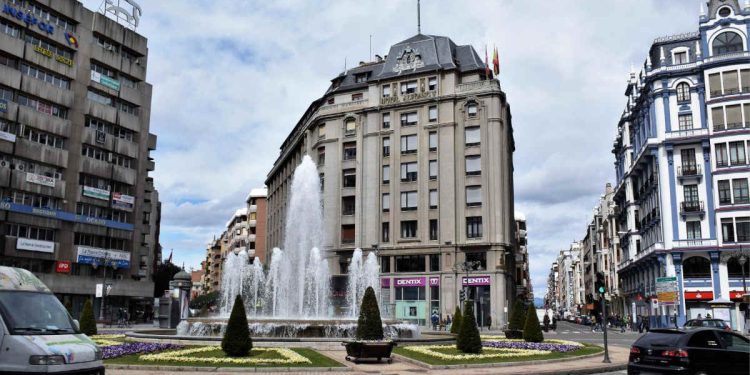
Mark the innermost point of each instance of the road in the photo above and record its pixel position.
(580, 333)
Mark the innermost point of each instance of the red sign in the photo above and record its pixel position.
(62, 267)
(735, 294)
(707, 295)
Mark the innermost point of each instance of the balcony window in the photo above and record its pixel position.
(473, 165)
(743, 229)
(725, 192)
(731, 82)
(433, 198)
(683, 92)
(433, 229)
(386, 174)
(347, 233)
(727, 42)
(321, 156)
(385, 202)
(727, 230)
(433, 167)
(350, 151)
(433, 141)
(408, 172)
(409, 118)
(721, 155)
(409, 87)
(386, 120)
(693, 230)
(740, 191)
(432, 83)
(473, 195)
(714, 82)
(409, 144)
(737, 153)
(479, 257)
(685, 121)
(347, 206)
(734, 116)
(409, 201)
(350, 126)
(386, 90)
(432, 113)
(471, 134)
(745, 79)
(386, 147)
(409, 230)
(717, 117)
(471, 110)
(350, 178)
(410, 263)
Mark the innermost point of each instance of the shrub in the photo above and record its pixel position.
(468, 340)
(456, 325)
(88, 323)
(517, 317)
(237, 341)
(369, 325)
(531, 330)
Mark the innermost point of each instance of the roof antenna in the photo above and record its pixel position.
(370, 57)
(419, 19)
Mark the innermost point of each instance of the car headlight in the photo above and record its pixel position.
(47, 360)
(98, 354)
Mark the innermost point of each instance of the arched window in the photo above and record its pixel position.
(683, 92)
(734, 269)
(694, 267)
(727, 42)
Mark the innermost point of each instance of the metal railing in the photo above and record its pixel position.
(689, 170)
(691, 207)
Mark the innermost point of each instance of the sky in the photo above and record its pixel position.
(231, 79)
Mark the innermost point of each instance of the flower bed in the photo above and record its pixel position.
(128, 348)
(211, 355)
(107, 340)
(559, 346)
(445, 352)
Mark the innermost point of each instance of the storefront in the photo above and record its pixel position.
(479, 291)
(696, 303)
(411, 299)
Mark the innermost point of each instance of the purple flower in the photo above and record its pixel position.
(128, 348)
(562, 348)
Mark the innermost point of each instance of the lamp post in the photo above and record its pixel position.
(743, 260)
(105, 259)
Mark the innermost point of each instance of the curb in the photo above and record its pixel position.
(511, 364)
(225, 369)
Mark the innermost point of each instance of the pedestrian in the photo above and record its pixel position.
(448, 322)
(545, 321)
(640, 324)
(435, 320)
(675, 321)
(708, 315)
(699, 316)
(489, 322)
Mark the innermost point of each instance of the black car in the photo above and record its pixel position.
(703, 351)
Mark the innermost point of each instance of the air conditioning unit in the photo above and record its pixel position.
(4, 164)
(20, 167)
(101, 136)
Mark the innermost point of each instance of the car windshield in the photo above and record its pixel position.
(34, 313)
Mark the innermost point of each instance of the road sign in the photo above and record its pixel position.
(667, 291)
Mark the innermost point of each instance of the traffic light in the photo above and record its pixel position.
(462, 294)
(599, 285)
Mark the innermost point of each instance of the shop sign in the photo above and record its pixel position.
(93, 192)
(40, 179)
(105, 81)
(58, 58)
(409, 281)
(385, 282)
(122, 201)
(707, 295)
(35, 245)
(62, 266)
(8, 137)
(667, 291)
(3, 105)
(476, 281)
(28, 18)
(63, 215)
(64, 60)
(94, 255)
(434, 281)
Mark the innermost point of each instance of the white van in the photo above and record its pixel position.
(37, 335)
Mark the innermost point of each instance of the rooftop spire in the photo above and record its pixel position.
(703, 11)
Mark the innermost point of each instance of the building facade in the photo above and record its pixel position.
(522, 279)
(682, 173)
(415, 153)
(257, 218)
(77, 203)
(565, 283)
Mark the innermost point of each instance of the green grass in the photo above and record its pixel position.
(587, 349)
(316, 359)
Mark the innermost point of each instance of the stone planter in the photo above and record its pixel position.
(513, 334)
(358, 350)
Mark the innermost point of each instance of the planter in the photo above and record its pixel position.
(513, 334)
(358, 350)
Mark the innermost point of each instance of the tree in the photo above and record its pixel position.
(237, 341)
(531, 330)
(88, 323)
(369, 325)
(468, 340)
(163, 275)
(456, 325)
(517, 317)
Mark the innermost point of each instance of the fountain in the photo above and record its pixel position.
(293, 299)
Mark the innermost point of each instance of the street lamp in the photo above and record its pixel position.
(743, 260)
(105, 259)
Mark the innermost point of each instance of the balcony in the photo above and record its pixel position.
(478, 86)
(698, 242)
(253, 208)
(689, 171)
(690, 134)
(692, 208)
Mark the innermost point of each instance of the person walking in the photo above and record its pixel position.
(435, 320)
(448, 322)
(489, 322)
(545, 321)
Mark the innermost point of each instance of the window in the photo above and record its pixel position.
(474, 195)
(350, 151)
(347, 205)
(409, 230)
(478, 257)
(386, 174)
(385, 202)
(740, 191)
(717, 116)
(683, 92)
(103, 70)
(434, 262)
(47, 139)
(433, 229)
(409, 201)
(433, 141)
(54, 48)
(385, 233)
(357, 96)
(45, 76)
(127, 81)
(347, 233)
(33, 200)
(433, 198)
(409, 144)
(100, 98)
(472, 110)
(322, 131)
(696, 267)
(409, 87)
(361, 77)
(721, 155)
(7, 60)
(745, 78)
(725, 12)
(685, 121)
(321, 156)
(111, 129)
(386, 146)
(9, 29)
(474, 227)
(725, 192)
(727, 42)
(432, 83)
(93, 152)
(737, 153)
(408, 172)
(680, 58)
(734, 116)
(473, 165)
(743, 229)
(409, 118)
(690, 193)
(731, 82)
(322, 178)
(350, 126)
(433, 169)
(472, 136)
(107, 44)
(34, 233)
(410, 263)
(693, 230)
(41, 106)
(432, 113)
(6, 94)
(350, 178)
(727, 230)
(714, 80)
(386, 120)
(386, 91)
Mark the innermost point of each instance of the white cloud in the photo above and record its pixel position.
(231, 79)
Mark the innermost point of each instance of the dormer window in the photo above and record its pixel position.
(361, 77)
(725, 12)
(680, 58)
(409, 87)
(727, 42)
(357, 96)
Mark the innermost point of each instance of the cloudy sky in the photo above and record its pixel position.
(231, 78)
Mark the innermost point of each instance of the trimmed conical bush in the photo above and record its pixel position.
(456, 324)
(369, 325)
(532, 332)
(237, 341)
(87, 322)
(468, 340)
(517, 317)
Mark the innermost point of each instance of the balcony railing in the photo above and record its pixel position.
(699, 242)
(689, 170)
(692, 207)
(686, 133)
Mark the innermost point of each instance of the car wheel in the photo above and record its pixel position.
(701, 373)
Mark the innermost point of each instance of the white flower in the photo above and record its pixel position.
(184, 355)
(430, 350)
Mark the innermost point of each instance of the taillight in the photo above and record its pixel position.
(728, 329)
(679, 353)
(634, 350)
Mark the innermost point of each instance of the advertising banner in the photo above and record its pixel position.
(667, 292)
(40, 179)
(62, 215)
(94, 255)
(434, 281)
(7, 137)
(122, 201)
(476, 281)
(105, 81)
(409, 281)
(35, 245)
(62, 266)
(3, 105)
(93, 192)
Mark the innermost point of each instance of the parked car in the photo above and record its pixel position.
(37, 333)
(710, 323)
(700, 351)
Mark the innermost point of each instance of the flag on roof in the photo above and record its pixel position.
(496, 61)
